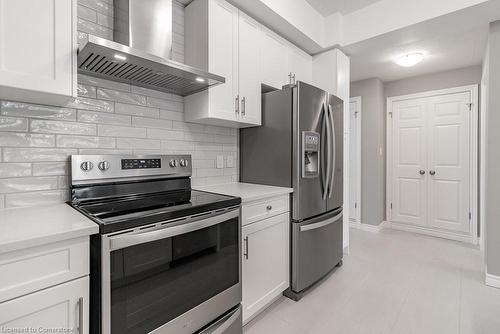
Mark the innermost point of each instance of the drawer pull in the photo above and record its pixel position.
(269, 207)
(81, 312)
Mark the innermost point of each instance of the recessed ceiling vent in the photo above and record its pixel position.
(141, 51)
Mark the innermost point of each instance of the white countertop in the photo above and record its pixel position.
(247, 191)
(33, 226)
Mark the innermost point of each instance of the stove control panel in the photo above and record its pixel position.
(140, 163)
(87, 169)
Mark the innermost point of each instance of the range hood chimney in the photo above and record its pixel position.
(141, 51)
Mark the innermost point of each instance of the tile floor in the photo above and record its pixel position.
(393, 282)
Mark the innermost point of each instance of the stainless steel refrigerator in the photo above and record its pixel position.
(300, 145)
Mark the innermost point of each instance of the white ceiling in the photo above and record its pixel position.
(329, 7)
(452, 41)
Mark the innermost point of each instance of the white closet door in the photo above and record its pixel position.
(409, 158)
(448, 152)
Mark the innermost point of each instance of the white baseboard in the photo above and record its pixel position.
(366, 227)
(493, 281)
(427, 231)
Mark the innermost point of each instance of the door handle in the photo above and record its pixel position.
(80, 315)
(422, 172)
(326, 158)
(432, 172)
(243, 106)
(245, 253)
(332, 151)
(237, 104)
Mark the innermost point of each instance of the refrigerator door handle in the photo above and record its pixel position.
(332, 152)
(325, 131)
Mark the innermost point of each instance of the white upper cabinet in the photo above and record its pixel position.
(223, 58)
(38, 50)
(222, 40)
(275, 69)
(249, 75)
(300, 64)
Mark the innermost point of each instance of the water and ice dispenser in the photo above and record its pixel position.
(310, 154)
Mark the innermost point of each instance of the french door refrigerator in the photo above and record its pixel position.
(300, 145)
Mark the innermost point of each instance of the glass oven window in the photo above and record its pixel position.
(153, 283)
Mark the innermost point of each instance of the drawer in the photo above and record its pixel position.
(36, 268)
(269, 207)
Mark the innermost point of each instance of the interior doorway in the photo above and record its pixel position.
(355, 161)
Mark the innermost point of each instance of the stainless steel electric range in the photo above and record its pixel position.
(167, 259)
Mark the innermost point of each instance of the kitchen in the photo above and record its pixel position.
(169, 167)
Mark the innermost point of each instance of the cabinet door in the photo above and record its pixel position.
(223, 58)
(37, 49)
(250, 65)
(275, 69)
(265, 263)
(300, 64)
(62, 307)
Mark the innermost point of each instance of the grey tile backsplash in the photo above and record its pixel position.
(106, 118)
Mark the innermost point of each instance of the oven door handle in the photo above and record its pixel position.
(140, 237)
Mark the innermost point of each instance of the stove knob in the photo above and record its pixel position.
(104, 165)
(184, 163)
(173, 163)
(86, 166)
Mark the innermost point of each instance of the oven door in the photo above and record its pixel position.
(171, 277)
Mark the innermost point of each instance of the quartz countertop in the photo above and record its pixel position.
(22, 228)
(248, 192)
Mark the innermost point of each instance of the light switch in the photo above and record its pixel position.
(230, 161)
(220, 161)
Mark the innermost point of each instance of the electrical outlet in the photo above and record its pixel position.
(230, 161)
(220, 161)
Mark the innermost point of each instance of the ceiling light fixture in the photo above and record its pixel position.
(410, 59)
(200, 79)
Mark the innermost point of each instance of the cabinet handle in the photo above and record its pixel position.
(243, 106)
(269, 207)
(422, 172)
(432, 172)
(245, 253)
(237, 104)
(80, 315)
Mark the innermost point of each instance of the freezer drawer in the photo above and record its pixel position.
(316, 248)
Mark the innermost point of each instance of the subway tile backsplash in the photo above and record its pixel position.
(106, 118)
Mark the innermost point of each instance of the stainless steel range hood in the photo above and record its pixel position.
(141, 51)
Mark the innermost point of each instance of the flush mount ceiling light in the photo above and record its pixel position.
(410, 59)
(200, 79)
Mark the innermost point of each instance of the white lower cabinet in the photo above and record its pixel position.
(60, 309)
(45, 289)
(265, 263)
